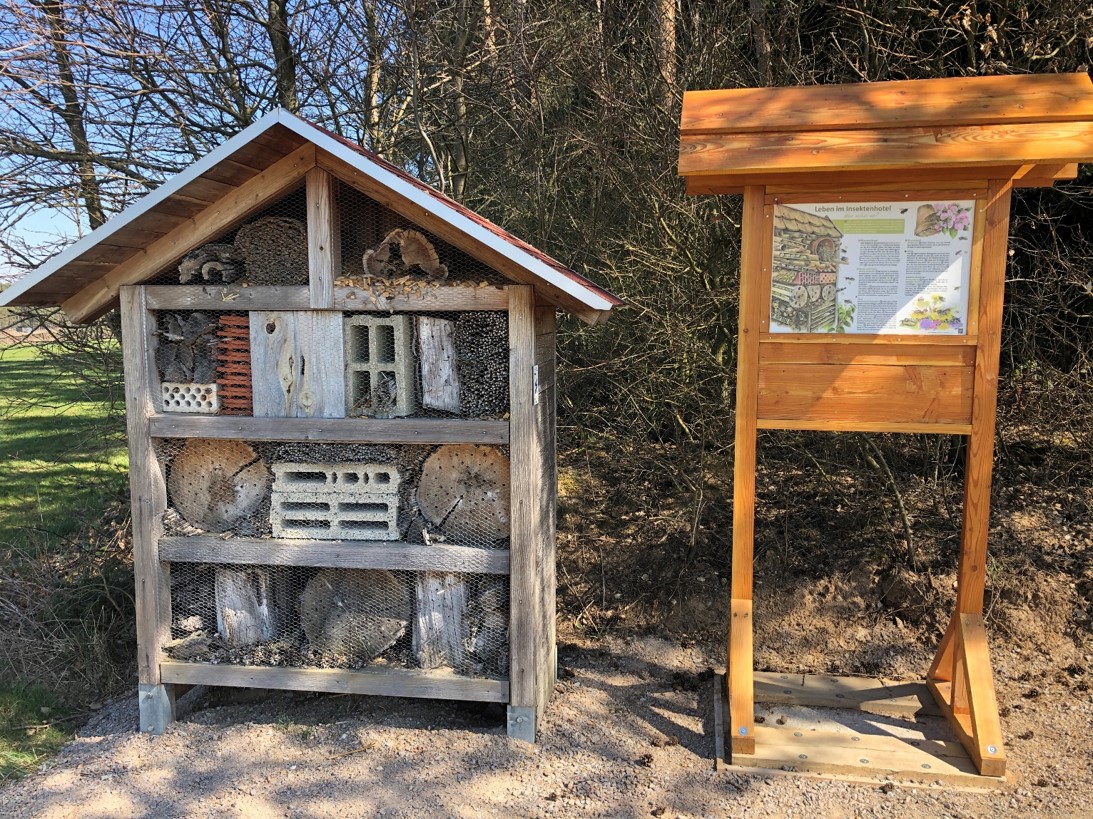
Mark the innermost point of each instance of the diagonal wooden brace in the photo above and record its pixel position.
(961, 681)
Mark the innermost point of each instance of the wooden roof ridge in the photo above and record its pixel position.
(990, 100)
(261, 163)
(1028, 128)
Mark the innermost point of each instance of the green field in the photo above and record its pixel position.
(62, 467)
(61, 458)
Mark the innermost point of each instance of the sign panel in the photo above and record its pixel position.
(871, 267)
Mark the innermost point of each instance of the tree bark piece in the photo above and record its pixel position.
(355, 612)
(464, 491)
(439, 375)
(250, 605)
(440, 620)
(217, 484)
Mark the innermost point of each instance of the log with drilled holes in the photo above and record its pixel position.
(217, 485)
(251, 604)
(464, 492)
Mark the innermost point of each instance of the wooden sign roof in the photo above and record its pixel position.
(255, 167)
(1027, 128)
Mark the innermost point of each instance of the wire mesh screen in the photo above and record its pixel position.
(339, 618)
(382, 248)
(295, 364)
(456, 494)
(269, 248)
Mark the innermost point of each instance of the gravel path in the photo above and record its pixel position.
(627, 734)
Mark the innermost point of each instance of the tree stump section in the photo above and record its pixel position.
(440, 620)
(464, 493)
(216, 485)
(250, 605)
(355, 612)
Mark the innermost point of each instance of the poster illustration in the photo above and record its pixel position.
(871, 267)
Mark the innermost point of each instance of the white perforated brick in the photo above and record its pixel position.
(203, 398)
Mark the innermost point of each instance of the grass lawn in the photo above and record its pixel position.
(61, 458)
(62, 463)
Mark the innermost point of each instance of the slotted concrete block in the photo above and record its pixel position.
(347, 501)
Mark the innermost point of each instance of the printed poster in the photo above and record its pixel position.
(871, 267)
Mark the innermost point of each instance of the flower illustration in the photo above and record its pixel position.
(931, 314)
(952, 218)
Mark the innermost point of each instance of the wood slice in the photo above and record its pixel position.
(250, 605)
(464, 490)
(355, 612)
(440, 620)
(216, 484)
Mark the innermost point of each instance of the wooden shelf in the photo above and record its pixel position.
(334, 430)
(390, 682)
(339, 554)
(234, 297)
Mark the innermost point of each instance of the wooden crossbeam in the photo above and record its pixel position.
(961, 682)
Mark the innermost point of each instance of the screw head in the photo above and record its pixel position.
(991, 749)
(743, 731)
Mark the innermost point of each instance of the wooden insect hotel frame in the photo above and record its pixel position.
(340, 393)
(872, 273)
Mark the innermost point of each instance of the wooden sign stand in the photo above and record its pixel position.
(797, 152)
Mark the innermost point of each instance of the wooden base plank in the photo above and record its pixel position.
(871, 695)
(389, 682)
(852, 753)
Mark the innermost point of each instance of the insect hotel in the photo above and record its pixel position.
(340, 393)
(875, 227)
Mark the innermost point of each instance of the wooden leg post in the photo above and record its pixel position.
(960, 676)
(741, 688)
(148, 491)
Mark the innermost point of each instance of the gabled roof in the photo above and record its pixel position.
(1029, 128)
(261, 163)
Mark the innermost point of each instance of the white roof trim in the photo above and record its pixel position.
(436, 207)
(138, 208)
